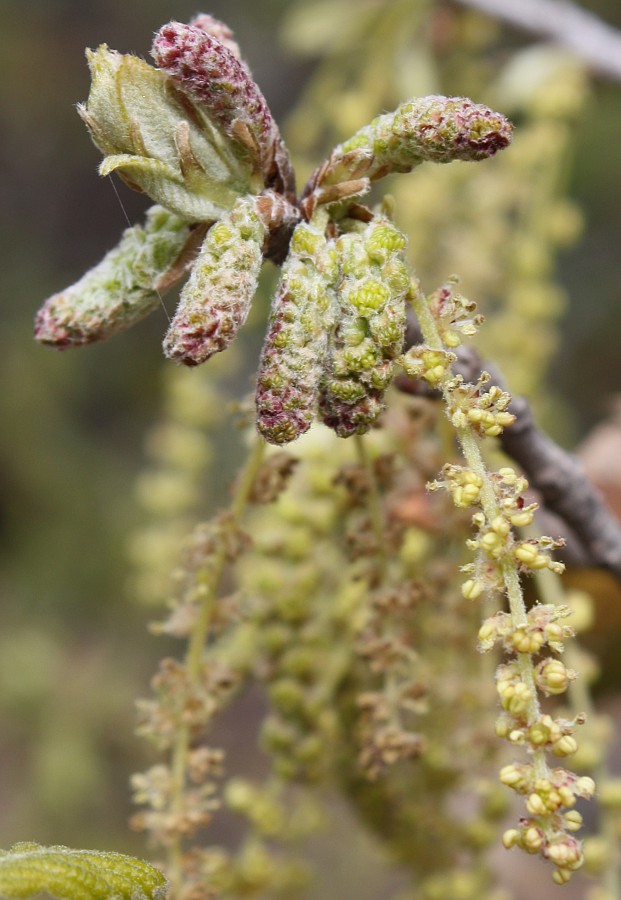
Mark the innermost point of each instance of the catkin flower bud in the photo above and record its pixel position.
(215, 301)
(209, 73)
(119, 291)
(472, 589)
(371, 327)
(553, 677)
(435, 128)
(296, 343)
(218, 30)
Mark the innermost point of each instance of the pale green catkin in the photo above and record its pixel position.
(371, 328)
(435, 129)
(118, 291)
(296, 343)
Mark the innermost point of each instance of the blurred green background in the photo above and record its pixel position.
(73, 648)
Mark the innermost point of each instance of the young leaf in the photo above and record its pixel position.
(28, 868)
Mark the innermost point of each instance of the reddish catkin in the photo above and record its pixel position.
(215, 301)
(297, 338)
(434, 129)
(208, 72)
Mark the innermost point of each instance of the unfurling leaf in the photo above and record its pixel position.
(158, 141)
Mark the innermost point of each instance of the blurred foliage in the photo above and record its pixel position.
(73, 653)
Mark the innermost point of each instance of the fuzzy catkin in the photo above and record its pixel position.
(218, 30)
(210, 73)
(435, 129)
(297, 338)
(119, 291)
(371, 328)
(216, 299)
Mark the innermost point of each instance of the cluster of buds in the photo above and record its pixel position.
(389, 714)
(120, 290)
(528, 638)
(427, 364)
(227, 271)
(454, 314)
(542, 626)
(463, 485)
(196, 135)
(496, 540)
(486, 412)
(181, 705)
(550, 794)
(436, 129)
(370, 326)
(548, 829)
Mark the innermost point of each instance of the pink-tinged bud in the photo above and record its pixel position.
(211, 75)
(215, 301)
(218, 30)
(436, 129)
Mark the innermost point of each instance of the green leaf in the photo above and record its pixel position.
(29, 868)
(158, 140)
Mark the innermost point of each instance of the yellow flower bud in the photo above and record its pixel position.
(561, 876)
(475, 415)
(529, 555)
(553, 677)
(522, 519)
(536, 805)
(533, 840)
(500, 526)
(487, 632)
(565, 853)
(572, 820)
(585, 787)
(451, 339)
(527, 641)
(493, 544)
(510, 838)
(565, 746)
(471, 590)
(507, 474)
(492, 430)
